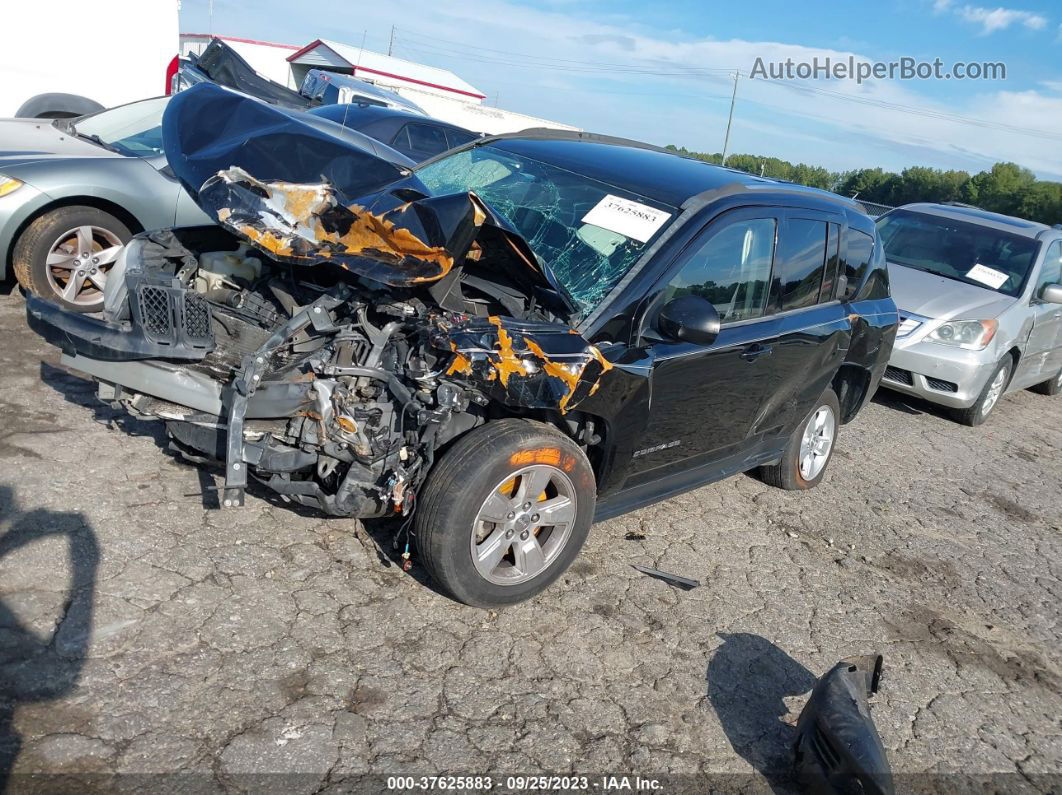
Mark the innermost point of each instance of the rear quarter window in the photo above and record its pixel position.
(860, 252)
(877, 280)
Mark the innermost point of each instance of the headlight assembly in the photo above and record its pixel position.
(9, 185)
(972, 335)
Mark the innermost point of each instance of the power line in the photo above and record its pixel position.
(481, 55)
(432, 41)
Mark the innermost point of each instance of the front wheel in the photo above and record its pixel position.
(989, 397)
(809, 449)
(65, 255)
(504, 512)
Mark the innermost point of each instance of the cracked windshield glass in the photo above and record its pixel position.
(551, 208)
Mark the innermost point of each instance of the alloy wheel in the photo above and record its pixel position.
(994, 392)
(78, 262)
(817, 442)
(524, 524)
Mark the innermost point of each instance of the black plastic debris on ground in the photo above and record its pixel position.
(685, 583)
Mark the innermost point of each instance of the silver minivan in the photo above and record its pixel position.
(980, 300)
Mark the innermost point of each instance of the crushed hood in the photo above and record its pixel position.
(306, 197)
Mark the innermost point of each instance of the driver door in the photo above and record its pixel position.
(704, 398)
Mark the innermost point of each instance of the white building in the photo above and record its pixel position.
(440, 92)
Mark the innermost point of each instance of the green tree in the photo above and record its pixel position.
(1005, 188)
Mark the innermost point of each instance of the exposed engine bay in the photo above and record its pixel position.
(337, 329)
(337, 390)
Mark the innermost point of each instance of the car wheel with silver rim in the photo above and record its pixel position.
(504, 512)
(65, 255)
(523, 524)
(817, 442)
(1052, 386)
(809, 449)
(994, 388)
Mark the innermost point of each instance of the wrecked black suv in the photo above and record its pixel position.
(521, 336)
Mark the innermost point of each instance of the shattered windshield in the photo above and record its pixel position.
(587, 232)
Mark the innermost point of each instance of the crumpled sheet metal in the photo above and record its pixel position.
(208, 129)
(419, 240)
(533, 365)
(306, 196)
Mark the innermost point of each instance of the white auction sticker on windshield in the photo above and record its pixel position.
(990, 276)
(632, 219)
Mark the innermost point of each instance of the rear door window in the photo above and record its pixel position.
(801, 263)
(401, 141)
(458, 137)
(427, 139)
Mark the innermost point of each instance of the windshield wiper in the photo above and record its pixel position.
(93, 138)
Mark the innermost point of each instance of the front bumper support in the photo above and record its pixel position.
(237, 396)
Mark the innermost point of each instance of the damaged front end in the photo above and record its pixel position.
(337, 329)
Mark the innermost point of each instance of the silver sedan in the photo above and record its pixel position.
(980, 299)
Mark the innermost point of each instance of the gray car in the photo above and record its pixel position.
(980, 300)
(74, 191)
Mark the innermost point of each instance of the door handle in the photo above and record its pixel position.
(753, 352)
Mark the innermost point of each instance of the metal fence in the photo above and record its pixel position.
(872, 208)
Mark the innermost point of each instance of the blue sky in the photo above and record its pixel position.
(660, 72)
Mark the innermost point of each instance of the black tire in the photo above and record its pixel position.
(786, 473)
(30, 253)
(977, 413)
(466, 476)
(1052, 386)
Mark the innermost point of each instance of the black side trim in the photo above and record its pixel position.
(630, 499)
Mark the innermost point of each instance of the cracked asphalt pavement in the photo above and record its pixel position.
(143, 632)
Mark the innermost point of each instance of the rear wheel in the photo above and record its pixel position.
(990, 395)
(1052, 386)
(809, 450)
(65, 256)
(504, 512)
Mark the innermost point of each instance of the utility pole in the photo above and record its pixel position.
(210, 14)
(730, 118)
(391, 43)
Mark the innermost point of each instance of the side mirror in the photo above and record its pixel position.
(690, 318)
(1052, 294)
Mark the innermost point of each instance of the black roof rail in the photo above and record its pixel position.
(962, 204)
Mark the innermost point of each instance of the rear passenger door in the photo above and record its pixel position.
(813, 329)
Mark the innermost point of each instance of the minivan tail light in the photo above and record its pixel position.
(171, 72)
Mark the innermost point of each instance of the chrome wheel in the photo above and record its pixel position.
(817, 442)
(78, 262)
(994, 392)
(524, 524)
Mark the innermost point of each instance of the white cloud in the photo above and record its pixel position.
(993, 19)
(509, 47)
